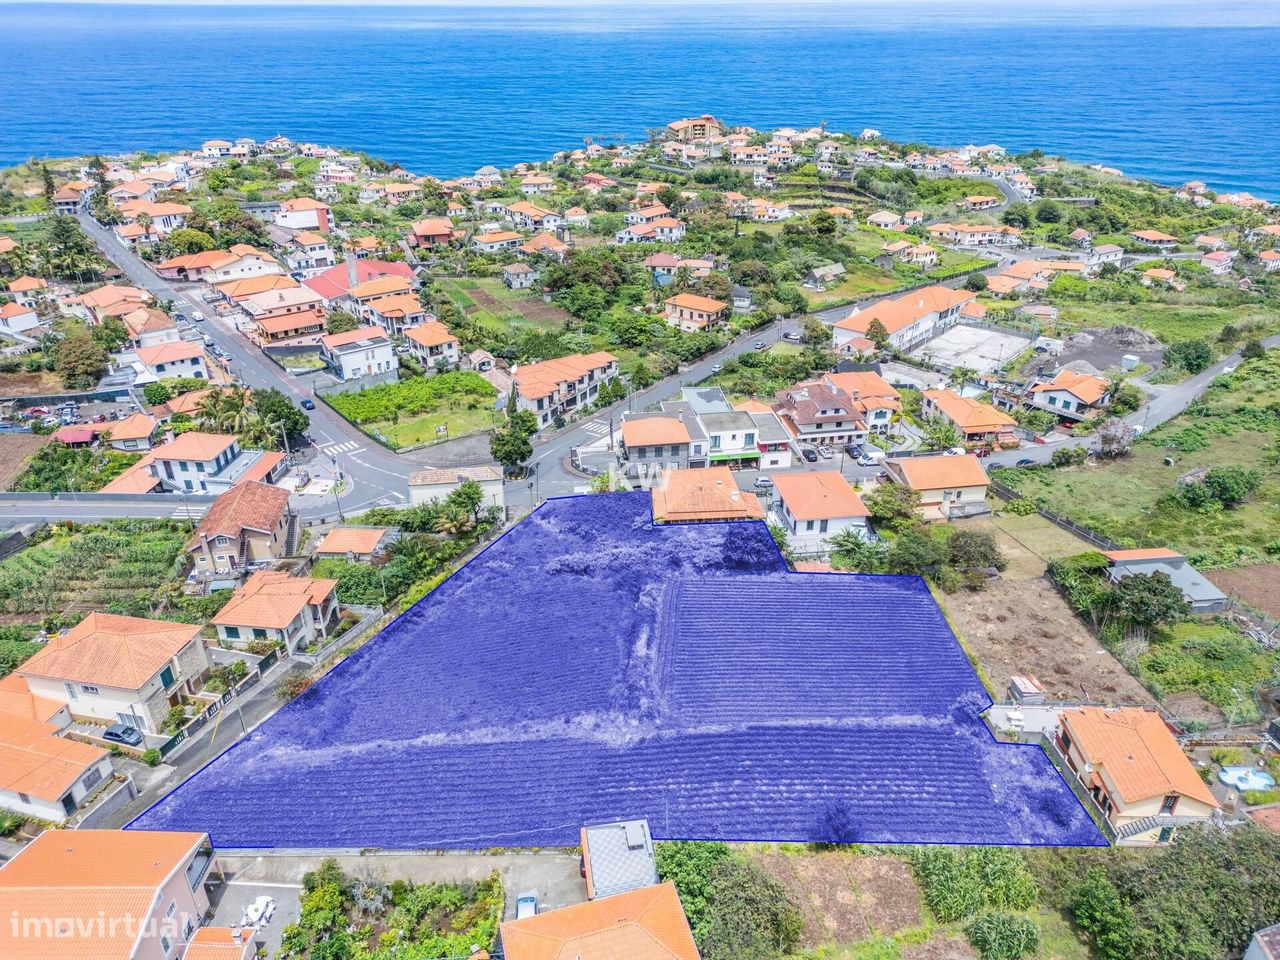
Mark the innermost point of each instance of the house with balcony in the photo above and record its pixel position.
(555, 388)
(199, 462)
(149, 327)
(358, 353)
(977, 422)
(1074, 396)
(908, 320)
(115, 669)
(496, 241)
(17, 318)
(692, 312)
(529, 216)
(219, 266)
(433, 346)
(1154, 238)
(821, 413)
(308, 253)
(815, 506)
(249, 524)
(655, 441)
(871, 396)
(1129, 763)
(114, 895)
(279, 608)
(950, 487)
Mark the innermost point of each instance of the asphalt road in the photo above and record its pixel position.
(375, 476)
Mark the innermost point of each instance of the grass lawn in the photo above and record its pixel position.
(860, 280)
(422, 428)
(1168, 321)
(1214, 660)
(1128, 500)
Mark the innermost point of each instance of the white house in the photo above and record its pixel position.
(433, 346)
(17, 318)
(119, 669)
(362, 352)
(814, 507)
(304, 213)
(907, 320)
(274, 606)
(182, 358)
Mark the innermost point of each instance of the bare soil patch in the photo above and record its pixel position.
(1024, 626)
(1258, 585)
(29, 384)
(939, 948)
(847, 898)
(15, 450)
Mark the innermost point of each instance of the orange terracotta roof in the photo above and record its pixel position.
(644, 924)
(358, 540)
(397, 305)
(304, 321)
(303, 203)
(1084, 386)
(1154, 236)
(863, 385)
(820, 495)
(309, 238)
(432, 476)
(752, 406)
(968, 414)
(543, 379)
(17, 700)
(27, 284)
(147, 320)
(272, 599)
(220, 943)
(692, 301)
(498, 236)
(815, 566)
(938, 473)
(249, 505)
(81, 878)
(1154, 553)
(139, 426)
(169, 352)
(433, 333)
(699, 495)
(263, 467)
(380, 287)
(651, 431)
(1135, 751)
(904, 311)
(111, 651)
(195, 445)
(37, 762)
(136, 479)
(250, 286)
(357, 335)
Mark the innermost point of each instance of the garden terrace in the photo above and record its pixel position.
(591, 665)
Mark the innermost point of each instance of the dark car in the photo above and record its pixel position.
(809, 454)
(853, 450)
(308, 404)
(1025, 463)
(119, 733)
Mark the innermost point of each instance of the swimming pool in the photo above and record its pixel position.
(1246, 778)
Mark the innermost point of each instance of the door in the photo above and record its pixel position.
(69, 804)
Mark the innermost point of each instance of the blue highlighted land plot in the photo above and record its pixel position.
(590, 665)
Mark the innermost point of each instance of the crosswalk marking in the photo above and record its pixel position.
(351, 446)
(596, 428)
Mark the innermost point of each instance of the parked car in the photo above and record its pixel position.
(882, 475)
(99, 418)
(51, 421)
(1024, 462)
(208, 340)
(853, 450)
(809, 454)
(982, 452)
(119, 733)
(37, 411)
(197, 316)
(793, 336)
(526, 905)
(759, 345)
(308, 404)
(870, 457)
(953, 452)
(825, 453)
(764, 483)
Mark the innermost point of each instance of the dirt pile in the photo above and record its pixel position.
(1127, 337)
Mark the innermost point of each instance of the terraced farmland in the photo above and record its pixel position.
(589, 665)
(116, 566)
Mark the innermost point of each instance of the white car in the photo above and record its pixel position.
(954, 452)
(197, 316)
(526, 905)
(825, 453)
(764, 483)
(717, 367)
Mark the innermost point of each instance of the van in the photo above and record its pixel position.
(208, 340)
(870, 457)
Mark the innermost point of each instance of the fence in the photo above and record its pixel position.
(1084, 533)
(1083, 795)
(354, 635)
(199, 722)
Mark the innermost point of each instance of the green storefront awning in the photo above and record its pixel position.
(743, 455)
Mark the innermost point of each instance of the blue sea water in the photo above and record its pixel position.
(1153, 90)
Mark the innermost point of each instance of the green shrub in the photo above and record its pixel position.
(391, 401)
(1003, 936)
(960, 883)
(1021, 507)
(688, 864)
(151, 757)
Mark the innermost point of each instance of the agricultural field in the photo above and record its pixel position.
(414, 410)
(860, 280)
(1131, 500)
(487, 302)
(118, 567)
(1171, 322)
(581, 663)
(16, 451)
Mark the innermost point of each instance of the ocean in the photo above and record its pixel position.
(444, 90)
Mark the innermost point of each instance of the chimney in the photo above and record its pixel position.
(351, 272)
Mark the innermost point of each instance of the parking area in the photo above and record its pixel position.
(965, 346)
(234, 898)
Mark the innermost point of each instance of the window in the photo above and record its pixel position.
(71, 691)
(750, 438)
(165, 945)
(91, 779)
(822, 526)
(808, 525)
(173, 908)
(231, 633)
(89, 688)
(259, 633)
(715, 441)
(642, 452)
(1166, 808)
(24, 798)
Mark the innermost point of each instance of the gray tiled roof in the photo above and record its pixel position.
(620, 856)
